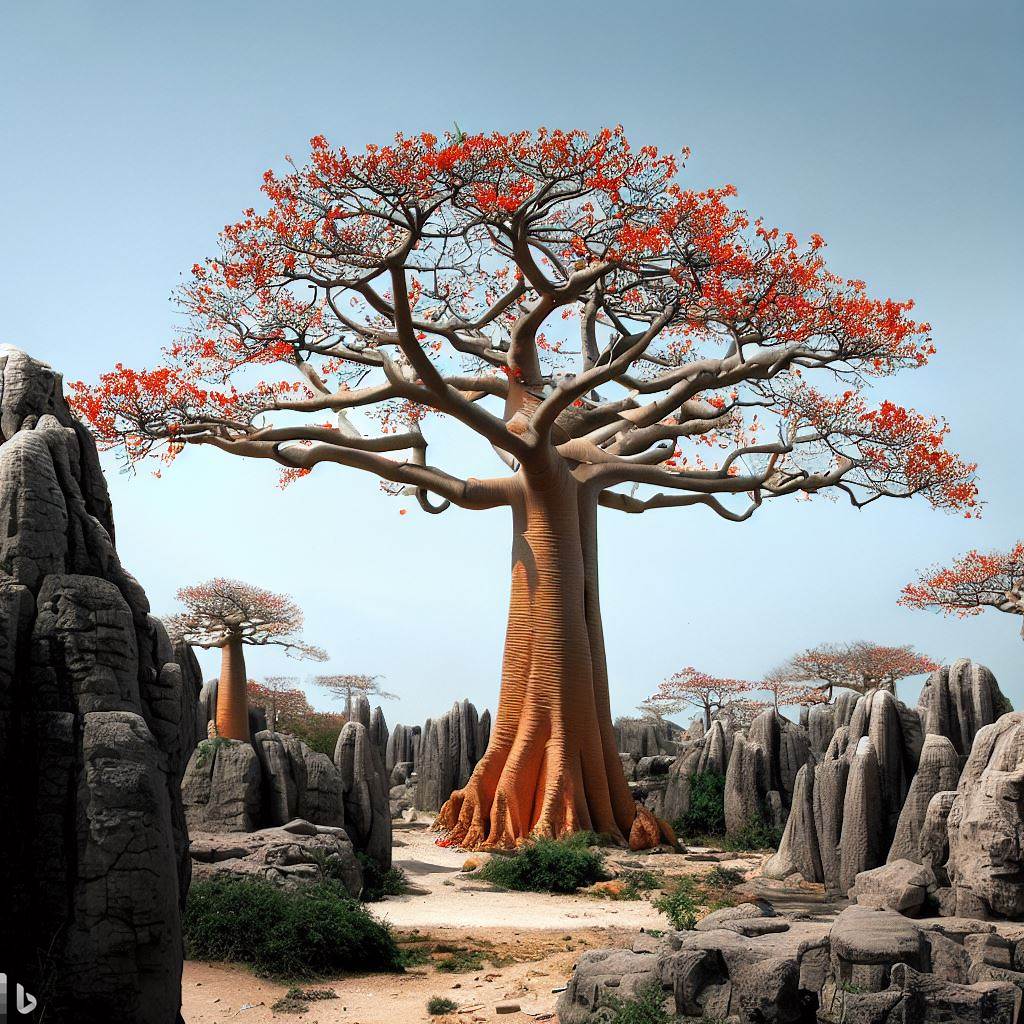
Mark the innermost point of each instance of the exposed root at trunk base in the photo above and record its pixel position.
(466, 827)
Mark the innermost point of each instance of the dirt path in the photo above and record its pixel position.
(506, 948)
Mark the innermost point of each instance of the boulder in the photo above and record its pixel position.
(97, 723)
(933, 842)
(287, 856)
(986, 824)
(900, 885)
(798, 852)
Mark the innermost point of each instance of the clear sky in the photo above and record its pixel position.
(132, 132)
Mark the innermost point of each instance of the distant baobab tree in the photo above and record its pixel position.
(615, 340)
(858, 666)
(230, 615)
(349, 687)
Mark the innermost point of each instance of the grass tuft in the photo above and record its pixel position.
(547, 865)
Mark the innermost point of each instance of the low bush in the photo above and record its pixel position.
(706, 816)
(437, 1006)
(757, 834)
(547, 865)
(303, 933)
(378, 882)
(646, 1007)
(711, 890)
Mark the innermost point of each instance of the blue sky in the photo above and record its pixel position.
(131, 133)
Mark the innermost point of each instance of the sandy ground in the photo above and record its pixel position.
(526, 943)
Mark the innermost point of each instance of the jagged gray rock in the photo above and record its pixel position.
(364, 793)
(786, 748)
(933, 842)
(900, 885)
(403, 747)
(798, 851)
(221, 787)
(958, 700)
(96, 726)
(937, 770)
(447, 756)
(286, 855)
(986, 824)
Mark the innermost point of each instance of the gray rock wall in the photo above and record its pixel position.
(97, 722)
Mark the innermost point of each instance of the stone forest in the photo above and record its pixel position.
(192, 837)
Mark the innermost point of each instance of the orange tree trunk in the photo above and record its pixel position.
(552, 766)
(232, 697)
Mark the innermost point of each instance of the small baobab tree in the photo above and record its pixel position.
(231, 615)
(974, 582)
(858, 666)
(786, 686)
(281, 697)
(613, 339)
(710, 695)
(348, 687)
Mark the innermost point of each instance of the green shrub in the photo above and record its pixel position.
(646, 1007)
(459, 959)
(547, 865)
(712, 890)
(706, 816)
(378, 882)
(437, 1006)
(757, 834)
(680, 905)
(305, 933)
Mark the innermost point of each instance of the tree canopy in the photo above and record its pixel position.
(221, 610)
(859, 666)
(548, 290)
(974, 582)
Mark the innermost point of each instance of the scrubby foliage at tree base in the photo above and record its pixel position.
(547, 865)
(378, 882)
(438, 1006)
(306, 933)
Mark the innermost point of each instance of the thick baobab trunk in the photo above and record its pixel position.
(552, 766)
(232, 698)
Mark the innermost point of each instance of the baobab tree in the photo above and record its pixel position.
(974, 582)
(858, 666)
(710, 695)
(787, 686)
(231, 615)
(349, 687)
(281, 697)
(615, 340)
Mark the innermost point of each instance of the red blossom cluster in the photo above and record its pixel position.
(974, 582)
(859, 666)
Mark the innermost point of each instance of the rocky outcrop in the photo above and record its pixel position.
(403, 748)
(860, 836)
(900, 885)
(96, 725)
(937, 770)
(986, 824)
(221, 787)
(449, 751)
(750, 966)
(364, 793)
(296, 852)
(646, 737)
(786, 747)
(958, 700)
(744, 786)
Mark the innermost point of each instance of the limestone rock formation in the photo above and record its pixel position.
(403, 747)
(449, 751)
(986, 824)
(744, 785)
(866, 967)
(96, 725)
(286, 855)
(646, 737)
(937, 770)
(364, 793)
(786, 748)
(958, 700)
(933, 841)
(221, 787)
(900, 885)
